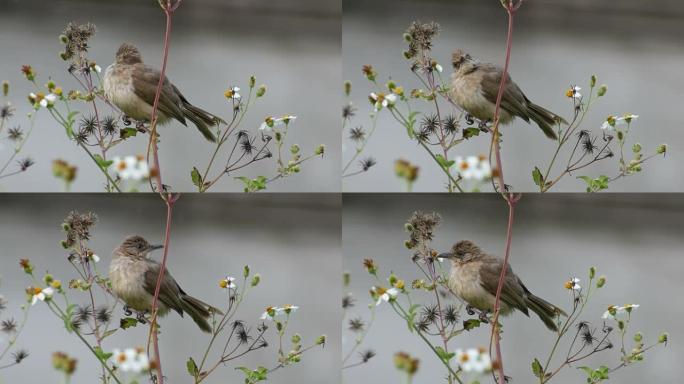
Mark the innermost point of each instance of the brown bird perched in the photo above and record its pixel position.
(475, 86)
(133, 277)
(131, 85)
(475, 276)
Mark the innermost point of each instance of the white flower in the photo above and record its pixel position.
(131, 360)
(438, 68)
(574, 92)
(233, 93)
(384, 294)
(271, 122)
(228, 283)
(473, 168)
(95, 258)
(45, 101)
(474, 360)
(381, 100)
(612, 121)
(97, 68)
(614, 312)
(573, 284)
(41, 294)
(271, 312)
(289, 308)
(130, 168)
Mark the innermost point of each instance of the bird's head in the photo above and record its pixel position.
(459, 58)
(137, 246)
(128, 54)
(464, 250)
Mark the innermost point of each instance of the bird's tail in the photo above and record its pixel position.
(545, 119)
(202, 119)
(546, 311)
(199, 311)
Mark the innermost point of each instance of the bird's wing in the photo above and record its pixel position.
(145, 81)
(513, 99)
(512, 292)
(169, 292)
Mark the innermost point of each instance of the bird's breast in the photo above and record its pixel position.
(119, 89)
(126, 276)
(465, 283)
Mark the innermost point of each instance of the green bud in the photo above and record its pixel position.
(636, 148)
(593, 80)
(64, 244)
(252, 81)
(66, 227)
(391, 85)
(408, 227)
(261, 91)
(296, 338)
(408, 244)
(347, 88)
(602, 90)
(63, 39)
(279, 326)
(621, 325)
(620, 135)
(5, 87)
(638, 337)
(255, 280)
(278, 136)
(295, 357)
(407, 38)
(245, 271)
(392, 279)
(407, 55)
(320, 150)
(346, 278)
(47, 279)
(63, 56)
(294, 149)
(592, 272)
(662, 339)
(661, 149)
(296, 169)
(601, 281)
(321, 340)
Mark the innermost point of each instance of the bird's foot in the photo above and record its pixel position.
(483, 317)
(470, 310)
(140, 126)
(127, 310)
(484, 125)
(126, 120)
(141, 317)
(470, 120)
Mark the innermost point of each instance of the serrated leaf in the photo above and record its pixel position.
(537, 177)
(128, 322)
(102, 355)
(192, 367)
(196, 177)
(537, 368)
(471, 132)
(104, 164)
(471, 324)
(125, 133)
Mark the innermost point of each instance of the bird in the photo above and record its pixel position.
(131, 85)
(474, 278)
(475, 86)
(133, 277)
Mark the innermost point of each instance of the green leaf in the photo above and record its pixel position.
(70, 119)
(537, 368)
(594, 185)
(446, 164)
(196, 177)
(253, 185)
(471, 132)
(444, 355)
(411, 124)
(537, 177)
(104, 164)
(128, 322)
(253, 376)
(192, 367)
(125, 133)
(471, 324)
(102, 355)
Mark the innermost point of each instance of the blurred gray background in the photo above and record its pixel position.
(634, 47)
(633, 239)
(293, 241)
(292, 46)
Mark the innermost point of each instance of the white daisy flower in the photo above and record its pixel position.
(474, 360)
(384, 294)
(130, 167)
(271, 312)
(573, 92)
(573, 284)
(228, 283)
(614, 312)
(381, 100)
(289, 308)
(133, 360)
(233, 93)
(473, 167)
(271, 122)
(41, 294)
(95, 258)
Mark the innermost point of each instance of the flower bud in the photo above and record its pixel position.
(593, 80)
(592, 272)
(636, 148)
(661, 149)
(245, 271)
(5, 87)
(638, 337)
(602, 90)
(255, 280)
(662, 339)
(294, 149)
(296, 338)
(321, 340)
(407, 38)
(320, 149)
(347, 88)
(346, 278)
(252, 81)
(261, 91)
(601, 281)
(63, 39)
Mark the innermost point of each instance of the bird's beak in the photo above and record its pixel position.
(445, 255)
(158, 246)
